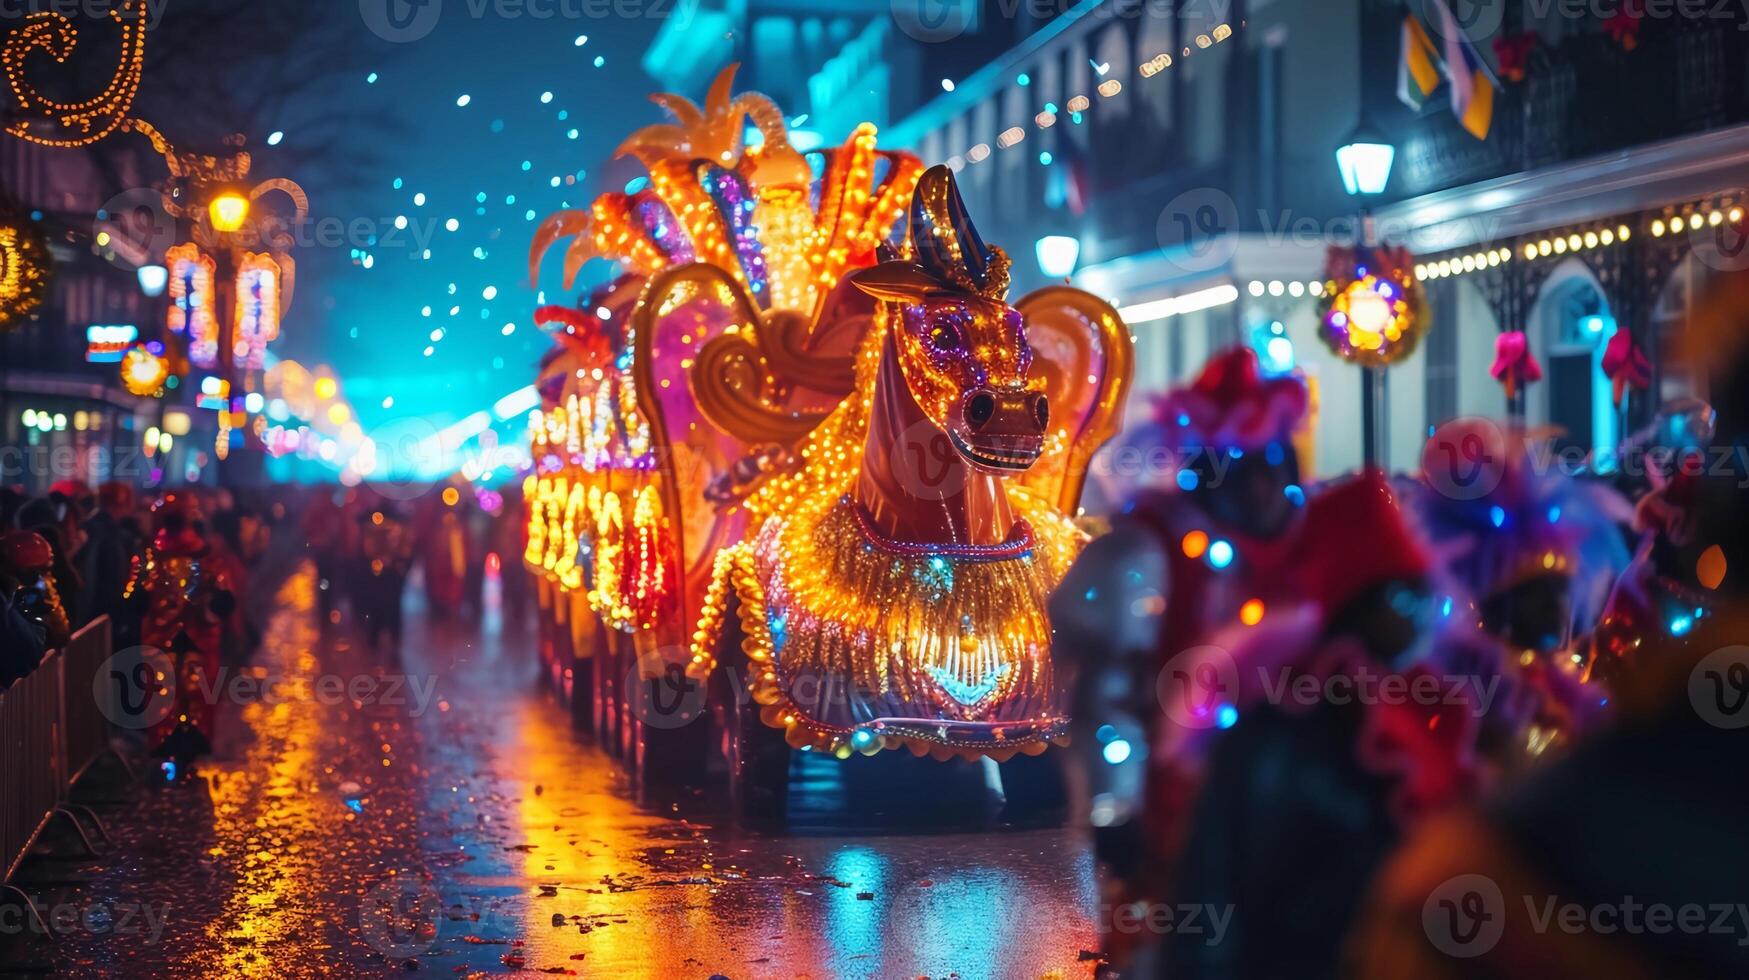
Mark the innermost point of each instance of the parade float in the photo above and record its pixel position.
(812, 476)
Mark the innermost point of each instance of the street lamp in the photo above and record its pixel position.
(1365, 162)
(1057, 255)
(153, 279)
(229, 210)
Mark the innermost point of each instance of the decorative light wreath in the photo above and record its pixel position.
(143, 373)
(1373, 310)
(24, 270)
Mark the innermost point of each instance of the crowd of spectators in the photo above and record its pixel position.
(67, 556)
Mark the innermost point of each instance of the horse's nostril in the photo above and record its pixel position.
(981, 409)
(1041, 411)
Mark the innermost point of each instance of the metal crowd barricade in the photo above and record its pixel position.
(86, 725)
(51, 730)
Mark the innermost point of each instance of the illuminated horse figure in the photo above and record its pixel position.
(865, 460)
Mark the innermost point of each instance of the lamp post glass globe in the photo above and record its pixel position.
(153, 279)
(1057, 255)
(1365, 163)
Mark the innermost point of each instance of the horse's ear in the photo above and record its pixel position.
(900, 281)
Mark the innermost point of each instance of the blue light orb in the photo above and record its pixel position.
(1497, 515)
(1116, 751)
(1227, 716)
(1188, 480)
(1220, 553)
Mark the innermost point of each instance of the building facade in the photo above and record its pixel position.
(64, 413)
(1188, 150)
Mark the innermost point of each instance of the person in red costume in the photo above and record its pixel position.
(445, 551)
(1180, 564)
(186, 601)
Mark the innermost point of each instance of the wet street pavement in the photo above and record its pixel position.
(351, 823)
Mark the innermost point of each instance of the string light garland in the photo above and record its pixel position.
(1080, 104)
(1721, 216)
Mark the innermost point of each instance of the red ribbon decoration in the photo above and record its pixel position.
(1624, 24)
(1513, 53)
(1625, 364)
(1514, 364)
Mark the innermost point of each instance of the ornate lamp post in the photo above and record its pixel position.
(1364, 161)
(226, 298)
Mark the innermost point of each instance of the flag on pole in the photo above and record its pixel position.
(1417, 65)
(1472, 84)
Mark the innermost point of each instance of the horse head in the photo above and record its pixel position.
(961, 348)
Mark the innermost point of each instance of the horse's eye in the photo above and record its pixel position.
(945, 336)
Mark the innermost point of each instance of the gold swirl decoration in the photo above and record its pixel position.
(1088, 359)
(52, 122)
(730, 377)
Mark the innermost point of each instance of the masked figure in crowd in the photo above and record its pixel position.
(186, 601)
(27, 562)
(56, 519)
(1180, 564)
(226, 560)
(112, 540)
(386, 554)
(1639, 827)
(332, 540)
(1668, 586)
(1310, 737)
(1526, 556)
(444, 551)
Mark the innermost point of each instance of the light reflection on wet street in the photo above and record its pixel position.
(462, 828)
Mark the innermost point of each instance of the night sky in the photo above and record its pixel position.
(493, 123)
